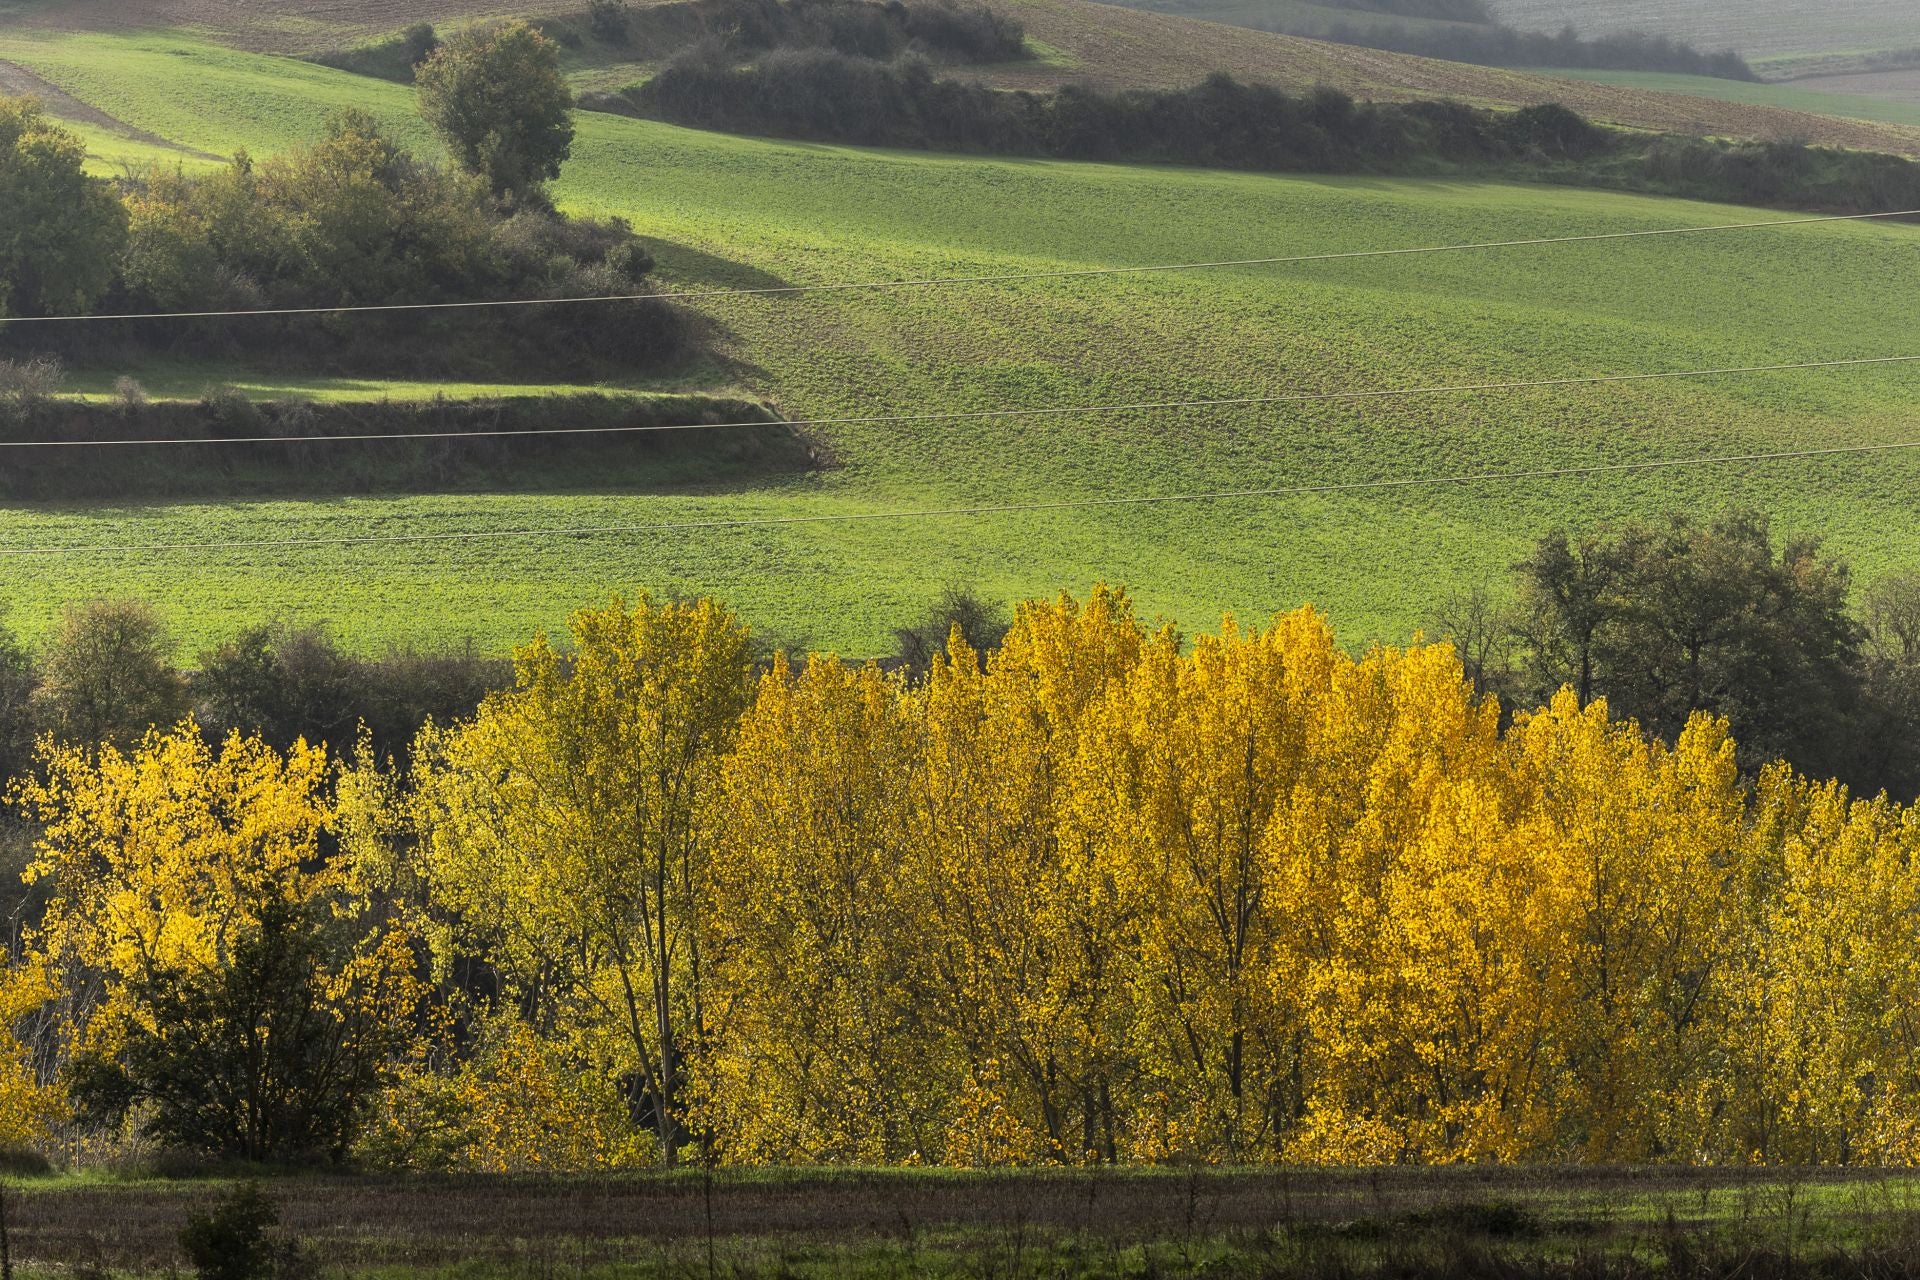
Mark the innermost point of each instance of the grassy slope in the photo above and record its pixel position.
(1751, 26)
(1098, 42)
(730, 210)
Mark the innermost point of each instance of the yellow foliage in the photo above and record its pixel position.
(1105, 894)
(161, 858)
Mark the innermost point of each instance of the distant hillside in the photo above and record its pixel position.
(1110, 45)
(1098, 43)
(1754, 27)
(1460, 31)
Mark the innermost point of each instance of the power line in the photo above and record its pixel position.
(1076, 504)
(696, 295)
(960, 415)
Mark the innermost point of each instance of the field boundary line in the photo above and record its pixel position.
(978, 415)
(932, 282)
(928, 513)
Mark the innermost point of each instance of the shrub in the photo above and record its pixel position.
(418, 42)
(129, 393)
(231, 413)
(608, 20)
(105, 676)
(27, 382)
(980, 622)
(274, 1056)
(231, 1241)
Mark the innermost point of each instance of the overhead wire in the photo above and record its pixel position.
(930, 513)
(930, 282)
(975, 415)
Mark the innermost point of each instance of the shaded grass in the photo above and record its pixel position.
(731, 211)
(1060, 1223)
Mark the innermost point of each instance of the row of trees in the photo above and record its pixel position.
(822, 94)
(105, 675)
(1499, 45)
(1105, 894)
(1666, 620)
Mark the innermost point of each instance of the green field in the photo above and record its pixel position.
(1785, 96)
(727, 210)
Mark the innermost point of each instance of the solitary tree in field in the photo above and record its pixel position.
(61, 231)
(497, 98)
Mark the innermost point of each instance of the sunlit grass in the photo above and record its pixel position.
(739, 212)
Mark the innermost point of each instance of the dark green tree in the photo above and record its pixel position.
(982, 623)
(1565, 590)
(497, 98)
(273, 1056)
(61, 232)
(1663, 621)
(18, 724)
(106, 674)
(281, 681)
(1890, 740)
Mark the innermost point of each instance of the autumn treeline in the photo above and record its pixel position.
(1108, 894)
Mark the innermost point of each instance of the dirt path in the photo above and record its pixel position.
(16, 79)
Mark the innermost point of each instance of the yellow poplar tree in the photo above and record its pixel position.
(1828, 1037)
(159, 859)
(1641, 844)
(1025, 928)
(564, 840)
(817, 1049)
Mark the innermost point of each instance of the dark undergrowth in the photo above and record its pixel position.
(557, 455)
(822, 96)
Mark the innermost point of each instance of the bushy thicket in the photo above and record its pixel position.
(352, 220)
(819, 94)
(355, 220)
(632, 452)
(1504, 46)
(109, 671)
(824, 96)
(943, 30)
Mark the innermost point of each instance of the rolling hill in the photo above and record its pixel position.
(1085, 41)
(1754, 27)
(732, 211)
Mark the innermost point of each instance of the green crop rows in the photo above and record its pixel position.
(730, 211)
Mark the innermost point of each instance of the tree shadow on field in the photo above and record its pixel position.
(691, 269)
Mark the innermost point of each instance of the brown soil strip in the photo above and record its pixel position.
(17, 80)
